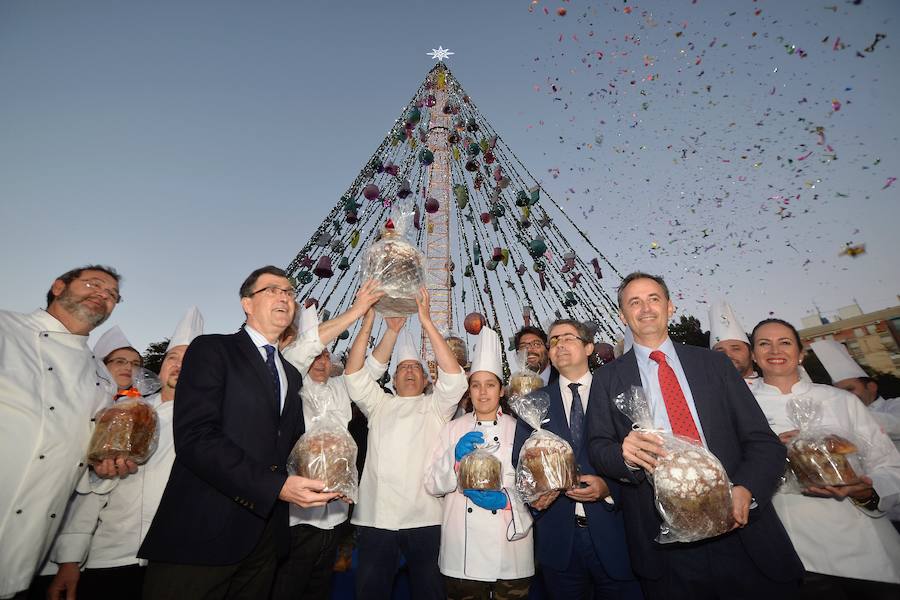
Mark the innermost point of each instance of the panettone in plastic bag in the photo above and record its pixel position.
(128, 429)
(396, 264)
(524, 380)
(480, 470)
(691, 487)
(820, 456)
(546, 461)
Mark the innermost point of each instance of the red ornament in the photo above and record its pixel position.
(473, 323)
(562, 11)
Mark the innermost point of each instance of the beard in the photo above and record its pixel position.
(77, 308)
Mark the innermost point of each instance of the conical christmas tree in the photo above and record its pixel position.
(494, 242)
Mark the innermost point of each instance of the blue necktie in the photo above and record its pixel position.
(576, 418)
(276, 380)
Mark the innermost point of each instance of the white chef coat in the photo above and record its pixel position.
(50, 388)
(476, 543)
(301, 354)
(401, 433)
(887, 413)
(835, 537)
(103, 530)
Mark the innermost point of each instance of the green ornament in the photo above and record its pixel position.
(344, 335)
(498, 210)
(491, 265)
(536, 248)
(474, 149)
(538, 266)
(304, 277)
(414, 115)
(469, 271)
(521, 198)
(426, 156)
(462, 195)
(344, 263)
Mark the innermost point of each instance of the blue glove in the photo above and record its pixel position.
(487, 500)
(467, 443)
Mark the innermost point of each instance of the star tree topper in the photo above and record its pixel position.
(440, 54)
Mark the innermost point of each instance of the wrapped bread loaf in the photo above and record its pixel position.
(547, 463)
(460, 352)
(829, 460)
(128, 429)
(480, 470)
(329, 455)
(524, 382)
(693, 493)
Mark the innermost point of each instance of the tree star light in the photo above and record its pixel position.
(439, 54)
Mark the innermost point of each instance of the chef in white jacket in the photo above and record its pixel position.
(394, 513)
(50, 388)
(727, 336)
(840, 533)
(102, 532)
(486, 540)
(306, 573)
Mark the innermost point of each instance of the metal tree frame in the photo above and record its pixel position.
(496, 244)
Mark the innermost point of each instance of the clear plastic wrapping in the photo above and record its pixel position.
(821, 456)
(524, 381)
(480, 470)
(128, 429)
(691, 487)
(327, 451)
(397, 264)
(546, 461)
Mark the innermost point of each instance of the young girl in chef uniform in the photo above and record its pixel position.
(486, 540)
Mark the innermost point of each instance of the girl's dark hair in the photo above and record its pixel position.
(779, 322)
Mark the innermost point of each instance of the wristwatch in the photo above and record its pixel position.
(871, 504)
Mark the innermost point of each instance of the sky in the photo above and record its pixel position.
(735, 147)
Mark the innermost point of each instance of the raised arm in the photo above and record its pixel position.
(356, 356)
(366, 297)
(446, 360)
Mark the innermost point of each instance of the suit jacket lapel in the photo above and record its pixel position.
(255, 359)
(293, 387)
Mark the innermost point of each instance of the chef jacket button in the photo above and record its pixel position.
(98, 384)
(54, 408)
(493, 512)
(41, 457)
(495, 422)
(496, 439)
(273, 468)
(81, 464)
(48, 335)
(469, 509)
(52, 515)
(19, 512)
(49, 368)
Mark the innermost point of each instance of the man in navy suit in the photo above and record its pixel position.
(580, 535)
(694, 393)
(223, 518)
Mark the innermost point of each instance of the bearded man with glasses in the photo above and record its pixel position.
(50, 388)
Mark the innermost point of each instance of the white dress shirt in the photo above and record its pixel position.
(50, 388)
(402, 430)
(649, 370)
(260, 341)
(566, 393)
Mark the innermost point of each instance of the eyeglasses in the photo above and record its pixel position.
(97, 286)
(566, 338)
(531, 345)
(273, 291)
(121, 362)
(409, 367)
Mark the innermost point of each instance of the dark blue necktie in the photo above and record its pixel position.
(276, 380)
(576, 418)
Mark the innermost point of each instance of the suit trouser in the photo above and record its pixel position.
(585, 576)
(716, 569)
(306, 572)
(379, 559)
(250, 579)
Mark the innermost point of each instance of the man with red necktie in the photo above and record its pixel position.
(697, 394)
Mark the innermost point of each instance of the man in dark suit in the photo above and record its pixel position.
(223, 518)
(579, 536)
(695, 393)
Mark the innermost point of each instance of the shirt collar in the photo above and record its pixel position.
(258, 338)
(584, 380)
(51, 323)
(642, 353)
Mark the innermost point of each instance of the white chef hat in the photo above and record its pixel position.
(190, 326)
(308, 321)
(487, 353)
(724, 325)
(406, 349)
(111, 341)
(836, 360)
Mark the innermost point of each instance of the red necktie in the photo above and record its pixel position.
(676, 406)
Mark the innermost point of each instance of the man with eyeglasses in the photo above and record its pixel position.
(579, 534)
(50, 388)
(696, 394)
(222, 522)
(533, 341)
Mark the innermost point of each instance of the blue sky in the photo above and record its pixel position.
(186, 143)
